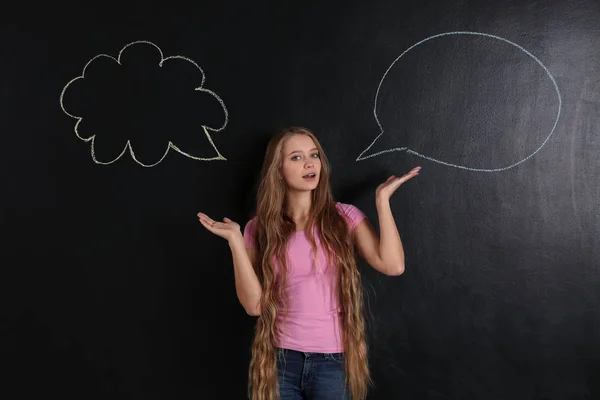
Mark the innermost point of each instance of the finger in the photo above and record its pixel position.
(227, 219)
(407, 177)
(413, 171)
(207, 221)
(207, 225)
(214, 226)
(204, 218)
(388, 181)
(400, 181)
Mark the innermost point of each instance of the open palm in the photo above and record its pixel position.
(226, 229)
(387, 188)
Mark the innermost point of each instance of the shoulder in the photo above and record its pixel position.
(251, 224)
(249, 231)
(347, 209)
(352, 214)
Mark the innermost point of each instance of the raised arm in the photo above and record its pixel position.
(247, 285)
(385, 253)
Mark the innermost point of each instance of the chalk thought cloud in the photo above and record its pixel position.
(144, 101)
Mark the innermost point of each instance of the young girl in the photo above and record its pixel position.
(295, 269)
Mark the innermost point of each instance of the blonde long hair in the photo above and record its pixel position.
(273, 228)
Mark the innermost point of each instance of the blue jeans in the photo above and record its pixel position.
(311, 376)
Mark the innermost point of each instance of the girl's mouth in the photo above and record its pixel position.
(310, 177)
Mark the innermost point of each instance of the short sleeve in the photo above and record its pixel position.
(249, 231)
(351, 214)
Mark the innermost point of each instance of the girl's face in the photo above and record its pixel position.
(301, 163)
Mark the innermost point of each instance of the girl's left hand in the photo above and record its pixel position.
(387, 188)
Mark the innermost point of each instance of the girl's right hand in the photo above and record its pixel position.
(227, 229)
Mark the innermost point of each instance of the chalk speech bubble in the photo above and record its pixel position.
(364, 156)
(128, 145)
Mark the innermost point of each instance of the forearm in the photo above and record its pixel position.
(247, 285)
(391, 250)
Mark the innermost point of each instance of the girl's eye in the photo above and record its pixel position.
(314, 155)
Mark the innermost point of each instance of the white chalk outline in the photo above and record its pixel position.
(128, 144)
(360, 157)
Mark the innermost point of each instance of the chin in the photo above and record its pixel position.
(306, 187)
(313, 185)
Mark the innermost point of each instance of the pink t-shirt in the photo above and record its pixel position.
(313, 320)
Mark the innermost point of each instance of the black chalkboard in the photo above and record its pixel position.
(111, 289)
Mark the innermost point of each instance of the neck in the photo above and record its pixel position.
(298, 205)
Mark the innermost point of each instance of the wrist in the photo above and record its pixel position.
(381, 201)
(236, 239)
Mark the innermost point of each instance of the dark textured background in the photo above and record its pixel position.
(111, 289)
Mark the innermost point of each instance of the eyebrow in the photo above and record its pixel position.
(300, 151)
